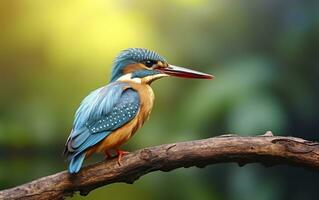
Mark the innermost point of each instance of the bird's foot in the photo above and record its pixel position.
(107, 155)
(120, 154)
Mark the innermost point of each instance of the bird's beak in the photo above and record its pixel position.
(184, 72)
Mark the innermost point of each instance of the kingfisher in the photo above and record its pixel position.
(110, 115)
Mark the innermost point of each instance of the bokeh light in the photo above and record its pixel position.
(264, 55)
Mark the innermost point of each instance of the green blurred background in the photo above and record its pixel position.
(264, 55)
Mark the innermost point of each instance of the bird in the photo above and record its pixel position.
(110, 115)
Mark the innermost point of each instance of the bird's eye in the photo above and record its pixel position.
(149, 63)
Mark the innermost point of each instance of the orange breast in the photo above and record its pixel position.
(123, 134)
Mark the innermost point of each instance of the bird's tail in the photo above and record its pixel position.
(76, 163)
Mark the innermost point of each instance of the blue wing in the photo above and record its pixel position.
(101, 112)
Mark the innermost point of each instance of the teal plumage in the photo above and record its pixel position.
(101, 112)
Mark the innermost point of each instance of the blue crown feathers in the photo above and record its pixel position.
(131, 56)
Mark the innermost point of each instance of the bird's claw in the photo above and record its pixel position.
(107, 155)
(120, 154)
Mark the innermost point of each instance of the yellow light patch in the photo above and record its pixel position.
(82, 33)
(191, 3)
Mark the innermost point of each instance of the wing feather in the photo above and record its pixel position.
(101, 112)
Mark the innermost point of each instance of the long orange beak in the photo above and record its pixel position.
(184, 72)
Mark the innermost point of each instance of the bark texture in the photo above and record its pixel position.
(266, 149)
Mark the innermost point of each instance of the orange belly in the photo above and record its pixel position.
(124, 133)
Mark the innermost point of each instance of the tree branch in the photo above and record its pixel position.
(266, 149)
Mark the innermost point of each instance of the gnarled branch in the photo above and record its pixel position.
(266, 149)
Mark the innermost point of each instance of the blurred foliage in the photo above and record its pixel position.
(264, 55)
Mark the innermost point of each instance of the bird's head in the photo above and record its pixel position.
(144, 65)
